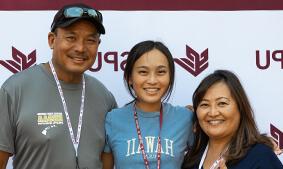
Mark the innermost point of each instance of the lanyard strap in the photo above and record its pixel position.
(146, 162)
(215, 163)
(76, 140)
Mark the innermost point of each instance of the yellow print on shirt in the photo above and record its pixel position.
(49, 118)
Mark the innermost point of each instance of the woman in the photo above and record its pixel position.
(148, 132)
(226, 133)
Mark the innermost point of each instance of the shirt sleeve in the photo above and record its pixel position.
(6, 130)
(107, 147)
(114, 103)
(191, 135)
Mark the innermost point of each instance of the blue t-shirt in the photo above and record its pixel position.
(122, 138)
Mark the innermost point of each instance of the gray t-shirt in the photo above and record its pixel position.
(33, 125)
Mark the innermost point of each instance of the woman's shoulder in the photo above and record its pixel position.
(179, 112)
(260, 155)
(260, 151)
(178, 108)
(260, 148)
(120, 111)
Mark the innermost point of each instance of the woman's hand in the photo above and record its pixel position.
(276, 148)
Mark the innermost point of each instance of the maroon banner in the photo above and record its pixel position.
(226, 5)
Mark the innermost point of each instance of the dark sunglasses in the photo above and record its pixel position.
(74, 12)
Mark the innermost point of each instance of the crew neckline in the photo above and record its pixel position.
(147, 114)
(63, 84)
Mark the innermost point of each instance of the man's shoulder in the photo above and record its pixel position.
(22, 77)
(97, 89)
(94, 82)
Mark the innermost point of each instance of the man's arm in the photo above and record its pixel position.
(4, 157)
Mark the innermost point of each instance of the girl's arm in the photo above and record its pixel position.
(107, 160)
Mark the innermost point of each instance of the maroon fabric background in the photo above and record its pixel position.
(147, 4)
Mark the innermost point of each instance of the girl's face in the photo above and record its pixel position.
(150, 80)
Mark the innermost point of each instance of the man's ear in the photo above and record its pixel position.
(51, 39)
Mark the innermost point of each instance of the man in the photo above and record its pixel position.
(52, 115)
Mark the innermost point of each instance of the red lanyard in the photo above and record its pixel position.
(146, 163)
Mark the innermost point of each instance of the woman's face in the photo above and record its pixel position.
(218, 113)
(150, 79)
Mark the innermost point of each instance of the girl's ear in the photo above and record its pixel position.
(130, 82)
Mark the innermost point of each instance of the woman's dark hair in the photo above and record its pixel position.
(136, 52)
(247, 134)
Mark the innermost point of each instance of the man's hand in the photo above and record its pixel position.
(190, 107)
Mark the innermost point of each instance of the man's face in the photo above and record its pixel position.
(74, 49)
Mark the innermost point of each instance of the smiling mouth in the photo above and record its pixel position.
(151, 90)
(78, 59)
(215, 122)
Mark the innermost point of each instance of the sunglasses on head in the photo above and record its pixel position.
(74, 12)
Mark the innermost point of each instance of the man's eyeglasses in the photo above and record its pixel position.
(74, 12)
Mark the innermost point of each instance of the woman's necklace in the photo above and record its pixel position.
(216, 162)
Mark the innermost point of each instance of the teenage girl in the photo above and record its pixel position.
(148, 132)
